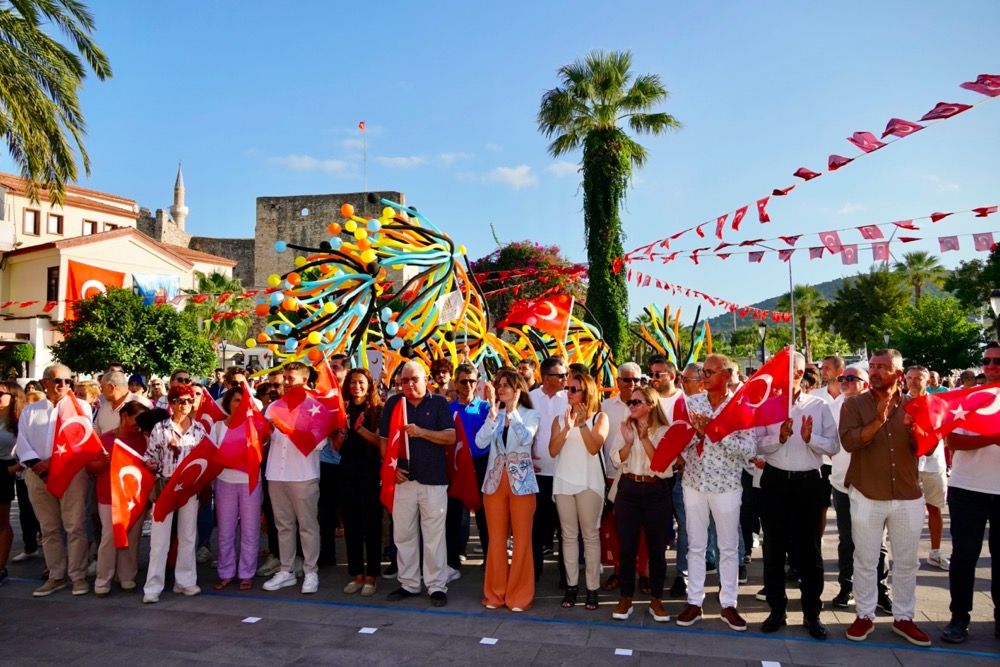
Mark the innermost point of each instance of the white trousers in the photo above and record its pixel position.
(904, 519)
(419, 510)
(725, 508)
(185, 570)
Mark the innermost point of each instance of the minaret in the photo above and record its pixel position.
(179, 211)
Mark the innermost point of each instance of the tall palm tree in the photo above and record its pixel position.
(40, 115)
(809, 302)
(233, 329)
(595, 95)
(920, 268)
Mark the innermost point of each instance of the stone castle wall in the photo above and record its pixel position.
(240, 251)
(160, 227)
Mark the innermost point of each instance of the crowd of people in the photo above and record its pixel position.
(558, 469)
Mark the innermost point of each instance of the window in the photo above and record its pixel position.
(55, 224)
(52, 284)
(31, 222)
(89, 227)
(108, 227)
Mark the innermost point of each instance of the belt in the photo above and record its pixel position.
(642, 479)
(794, 474)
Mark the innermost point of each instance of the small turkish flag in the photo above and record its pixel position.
(983, 242)
(936, 217)
(762, 210)
(786, 254)
(551, 314)
(461, 473)
(677, 437)
(240, 448)
(849, 254)
(880, 251)
(945, 110)
(984, 211)
(835, 162)
(985, 84)
(866, 141)
(871, 232)
(303, 418)
(698, 230)
(719, 225)
(193, 473)
(901, 128)
(831, 240)
(738, 217)
(329, 394)
(756, 257)
(910, 239)
(131, 484)
(907, 224)
(948, 243)
(397, 447)
(806, 174)
(209, 412)
(361, 126)
(937, 415)
(816, 253)
(74, 446)
(782, 191)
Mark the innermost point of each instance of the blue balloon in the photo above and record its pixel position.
(374, 225)
(391, 329)
(276, 298)
(291, 344)
(285, 328)
(336, 242)
(269, 330)
(396, 343)
(386, 314)
(280, 246)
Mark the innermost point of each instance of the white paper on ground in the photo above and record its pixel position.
(251, 619)
(490, 641)
(623, 651)
(367, 631)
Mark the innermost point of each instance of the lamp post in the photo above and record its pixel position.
(886, 335)
(762, 330)
(223, 364)
(995, 305)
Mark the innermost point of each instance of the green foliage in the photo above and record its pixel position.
(594, 95)
(22, 353)
(935, 334)
(809, 303)
(40, 113)
(972, 282)
(234, 329)
(118, 326)
(920, 269)
(525, 255)
(861, 304)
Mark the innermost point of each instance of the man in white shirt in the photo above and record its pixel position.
(829, 370)
(114, 389)
(35, 436)
(550, 400)
(793, 503)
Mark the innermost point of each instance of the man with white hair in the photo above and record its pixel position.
(114, 389)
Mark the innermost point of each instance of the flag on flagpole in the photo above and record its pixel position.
(193, 474)
(461, 473)
(676, 438)
(751, 405)
(390, 462)
(74, 446)
(131, 484)
(361, 126)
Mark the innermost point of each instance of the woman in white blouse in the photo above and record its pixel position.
(578, 484)
(643, 501)
(509, 491)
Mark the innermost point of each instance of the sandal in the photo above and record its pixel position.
(591, 599)
(570, 598)
(612, 583)
(221, 584)
(246, 584)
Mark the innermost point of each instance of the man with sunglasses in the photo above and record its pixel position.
(473, 412)
(35, 434)
(551, 401)
(974, 503)
(179, 376)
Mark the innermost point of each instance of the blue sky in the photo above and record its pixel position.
(260, 99)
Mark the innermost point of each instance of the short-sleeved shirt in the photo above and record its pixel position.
(473, 417)
(426, 462)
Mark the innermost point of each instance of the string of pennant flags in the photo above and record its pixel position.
(645, 280)
(866, 142)
(220, 298)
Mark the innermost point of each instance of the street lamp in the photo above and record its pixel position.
(886, 335)
(762, 330)
(995, 305)
(223, 364)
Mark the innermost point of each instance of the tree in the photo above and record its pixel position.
(809, 302)
(920, 268)
(596, 93)
(21, 355)
(40, 115)
(232, 328)
(118, 326)
(935, 333)
(861, 303)
(972, 282)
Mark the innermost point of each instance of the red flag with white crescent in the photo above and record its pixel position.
(900, 128)
(944, 110)
(835, 162)
(880, 251)
(751, 405)
(871, 232)
(131, 484)
(551, 314)
(302, 417)
(816, 253)
(762, 210)
(396, 448)
(193, 473)
(866, 141)
(936, 415)
(74, 446)
(676, 438)
(983, 242)
(738, 217)
(831, 240)
(461, 473)
(328, 393)
(948, 243)
(985, 84)
(209, 412)
(84, 281)
(849, 254)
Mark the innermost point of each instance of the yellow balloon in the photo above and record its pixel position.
(360, 233)
(329, 307)
(274, 280)
(251, 342)
(350, 226)
(313, 338)
(388, 212)
(461, 249)
(368, 256)
(300, 261)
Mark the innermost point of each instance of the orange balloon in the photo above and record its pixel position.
(333, 227)
(346, 210)
(294, 278)
(263, 310)
(315, 355)
(263, 337)
(289, 303)
(363, 244)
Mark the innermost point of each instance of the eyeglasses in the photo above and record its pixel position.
(467, 381)
(990, 360)
(411, 380)
(183, 401)
(706, 373)
(848, 378)
(684, 379)
(59, 382)
(630, 380)
(561, 376)
(634, 402)
(574, 390)
(184, 380)
(659, 374)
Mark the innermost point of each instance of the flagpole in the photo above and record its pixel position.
(364, 136)
(791, 303)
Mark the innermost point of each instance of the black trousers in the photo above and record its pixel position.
(845, 548)
(456, 532)
(642, 507)
(329, 474)
(545, 525)
(749, 511)
(361, 511)
(792, 514)
(26, 515)
(484, 531)
(970, 512)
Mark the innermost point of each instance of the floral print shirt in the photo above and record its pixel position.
(719, 466)
(168, 445)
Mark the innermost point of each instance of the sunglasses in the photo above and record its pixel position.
(574, 390)
(185, 380)
(659, 374)
(848, 378)
(634, 402)
(561, 376)
(990, 360)
(467, 381)
(630, 380)
(183, 401)
(410, 380)
(59, 382)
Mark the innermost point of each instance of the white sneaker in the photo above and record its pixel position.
(92, 569)
(281, 580)
(311, 583)
(147, 527)
(939, 560)
(298, 567)
(24, 556)
(203, 555)
(453, 575)
(186, 590)
(269, 567)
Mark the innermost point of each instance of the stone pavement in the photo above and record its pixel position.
(326, 628)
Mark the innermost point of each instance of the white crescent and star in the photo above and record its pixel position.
(201, 463)
(92, 284)
(767, 380)
(133, 472)
(88, 429)
(990, 408)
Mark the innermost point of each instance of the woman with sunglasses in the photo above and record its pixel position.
(643, 502)
(169, 442)
(578, 484)
(12, 401)
(509, 491)
(360, 482)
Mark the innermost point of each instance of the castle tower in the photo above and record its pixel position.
(179, 211)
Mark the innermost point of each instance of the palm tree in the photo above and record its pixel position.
(920, 268)
(40, 114)
(233, 329)
(594, 96)
(809, 302)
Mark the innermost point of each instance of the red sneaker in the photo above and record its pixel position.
(909, 631)
(860, 629)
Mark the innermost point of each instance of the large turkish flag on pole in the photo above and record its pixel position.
(84, 281)
(551, 315)
(74, 446)
(131, 484)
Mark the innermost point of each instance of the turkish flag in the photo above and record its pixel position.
(806, 174)
(762, 210)
(984, 211)
(786, 254)
(985, 84)
(871, 232)
(361, 126)
(328, 393)
(866, 141)
(936, 415)
(131, 484)
(944, 110)
(676, 438)
(849, 254)
(84, 281)
(551, 314)
(240, 448)
(909, 239)
(983, 242)
(947, 243)
(719, 225)
(74, 446)
(791, 240)
(390, 463)
(698, 231)
(831, 240)
(907, 224)
(738, 217)
(781, 192)
(816, 253)
(461, 473)
(900, 128)
(209, 412)
(937, 217)
(835, 162)
(880, 251)
(193, 473)
(755, 257)
(303, 418)
(762, 401)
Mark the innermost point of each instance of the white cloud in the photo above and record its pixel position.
(310, 163)
(563, 168)
(516, 177)
(451, 158)
(849, 208)
(940, 184)
(494, 148)
(404, 162)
